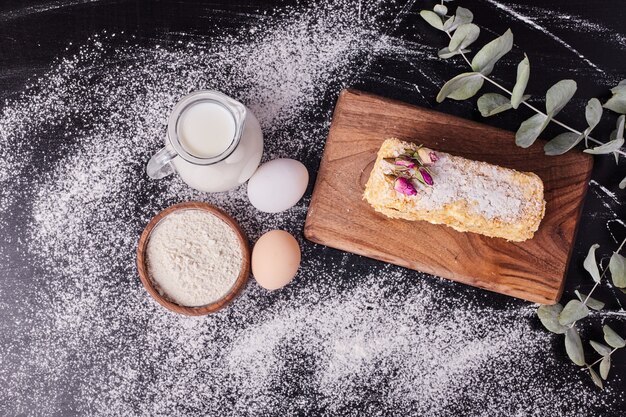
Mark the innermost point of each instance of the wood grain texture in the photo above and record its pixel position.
(142, 267)
(338, 216)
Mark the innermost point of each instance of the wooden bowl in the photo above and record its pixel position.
(147, 282)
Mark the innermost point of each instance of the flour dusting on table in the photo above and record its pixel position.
(347, 333)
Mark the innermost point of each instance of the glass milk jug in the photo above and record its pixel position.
(213, 142)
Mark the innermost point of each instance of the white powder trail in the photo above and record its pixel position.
(542, 29)
(609, 225)
(405, 9)
(574, 22)
(26, 11)
(610, 212)
(412, 53)
(606, 191)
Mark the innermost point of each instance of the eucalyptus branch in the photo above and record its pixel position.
(462, 33)
(562, 320)
(530, 106)
(553, 120)
(593, 289)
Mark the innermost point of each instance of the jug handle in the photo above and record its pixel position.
(160, 165)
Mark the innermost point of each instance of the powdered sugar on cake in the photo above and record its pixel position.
(489, 188)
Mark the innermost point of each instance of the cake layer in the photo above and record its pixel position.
(416, 183)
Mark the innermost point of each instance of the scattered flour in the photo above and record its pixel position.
(578, 24)
(606, 191)
(349, 336)
(533, 24)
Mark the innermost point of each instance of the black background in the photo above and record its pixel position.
(33, 34)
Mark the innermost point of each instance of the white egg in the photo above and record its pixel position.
(278, 185)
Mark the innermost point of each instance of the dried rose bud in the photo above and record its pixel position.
(404, 186)
(427, 156)
(405, 163)
(424, 158)
(390, 177)
(426, 176)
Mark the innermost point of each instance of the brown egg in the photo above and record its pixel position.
(275, 259)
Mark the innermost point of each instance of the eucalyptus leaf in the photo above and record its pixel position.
(493, 103)
(468, 90)
(462, 16)
(611, 146)
(574, 310)
(562, 143)
(591, 302)
(619, 132)
(622, 183)
(464, 36)
(549, 317)
(432, 18)
(605, 366)
(461, 87)
(595, 378)
(574, 347)
(559, 95)
(446, 53)
(612, 338)
(619, 89)
(590, 263)
(593, 112)
(486, 58)
(530, 130)
(601, 348)
(440, 9)
(490, 104)
(617, 103)
(617, 266)
(523, 73)
(447, 25)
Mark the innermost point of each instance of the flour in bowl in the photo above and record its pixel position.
(193, 257)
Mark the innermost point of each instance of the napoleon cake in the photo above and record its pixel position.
(412, 182)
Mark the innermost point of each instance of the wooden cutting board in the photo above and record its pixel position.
(338, 216)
